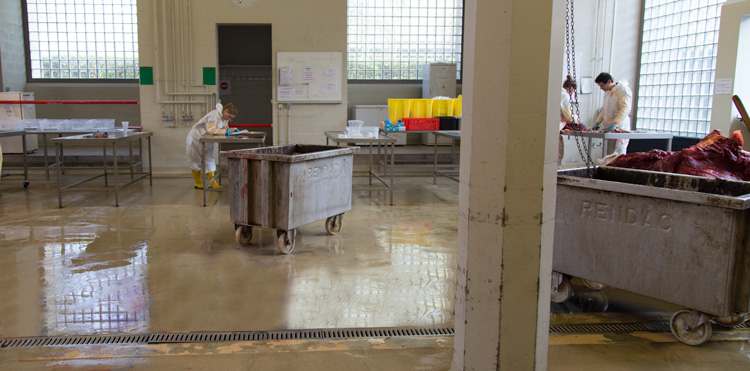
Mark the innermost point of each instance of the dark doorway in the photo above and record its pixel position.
(245, 67)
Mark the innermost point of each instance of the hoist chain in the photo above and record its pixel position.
(570, 52)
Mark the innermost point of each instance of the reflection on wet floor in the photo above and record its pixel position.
(161, 262)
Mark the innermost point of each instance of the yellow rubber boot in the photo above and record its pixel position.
(213, 184)
(198, 180)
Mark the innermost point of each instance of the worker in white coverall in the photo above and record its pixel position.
(215, 122)
(614, 114)
(566, 114)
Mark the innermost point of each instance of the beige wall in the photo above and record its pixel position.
(296, 26)
(12, 54)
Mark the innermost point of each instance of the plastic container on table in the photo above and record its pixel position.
(398, 109)
(422, 124)
(420, 108)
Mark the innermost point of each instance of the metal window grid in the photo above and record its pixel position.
(86, 39)
(678, 61)
(394, 39)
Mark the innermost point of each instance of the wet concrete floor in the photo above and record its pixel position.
(162, 262)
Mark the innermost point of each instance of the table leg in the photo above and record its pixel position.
(434, 168)
(393, 150)
(59, 176)
(669, 144)
(588, 153)
(130, 148)
(203, 171)
(114, 165)
(104, 154)
(218, 164)
(604, 148)
(150, 175)
(46, 163)
(370, 172)
(25, 162)
(62, 153)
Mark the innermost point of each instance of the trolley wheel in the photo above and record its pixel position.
(731, 321)
(596, 286)
(25, 184)
(286, 240)
(334, 224)
(243, 234)
(563, 292)
(690, 327)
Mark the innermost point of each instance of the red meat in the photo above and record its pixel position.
(716, 156)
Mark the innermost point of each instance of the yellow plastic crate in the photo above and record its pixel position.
(421, 108)
(457, 106)
(398, 109)
(442, 107)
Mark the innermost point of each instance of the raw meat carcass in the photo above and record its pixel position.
(716, 156)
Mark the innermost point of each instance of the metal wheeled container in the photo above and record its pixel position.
(285, 187)
(676, 238)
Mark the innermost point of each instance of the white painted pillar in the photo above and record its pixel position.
(512, 63)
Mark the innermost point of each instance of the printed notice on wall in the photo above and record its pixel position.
(286, 92)
(723, 86)
(8, 110)
(308, 74)
(330, 73)
(285, 76)
(329, 88)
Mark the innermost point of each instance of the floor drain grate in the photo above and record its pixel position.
(348, 333)
(610, 328)
(200, 337)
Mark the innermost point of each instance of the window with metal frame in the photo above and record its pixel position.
(394, 39)
(678, 60)
(83, 39)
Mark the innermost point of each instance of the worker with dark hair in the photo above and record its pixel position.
(215, 122)
(616, 108)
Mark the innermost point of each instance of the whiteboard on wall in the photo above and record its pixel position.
(308, 77)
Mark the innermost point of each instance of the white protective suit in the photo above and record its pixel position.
(615, 111)
(565, 109)
(212, 123)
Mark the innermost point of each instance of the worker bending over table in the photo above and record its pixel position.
(215, 122)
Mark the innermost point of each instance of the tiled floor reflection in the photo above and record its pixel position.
(103, 296)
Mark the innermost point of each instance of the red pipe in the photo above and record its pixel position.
(249, 125)
(69, 102)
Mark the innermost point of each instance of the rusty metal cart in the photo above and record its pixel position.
(285, 187)
(676, 238)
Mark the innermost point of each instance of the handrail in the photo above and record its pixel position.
(69, 102)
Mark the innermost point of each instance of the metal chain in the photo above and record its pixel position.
(583, 151)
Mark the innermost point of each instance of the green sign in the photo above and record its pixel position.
(209, 75)
(147, 76)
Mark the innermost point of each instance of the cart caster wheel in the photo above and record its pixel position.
(25, 185)
(334, 224)
(596, 286)
(731, 321)
(286, 240)
(563, 292)
(243, 234)
(690, 327)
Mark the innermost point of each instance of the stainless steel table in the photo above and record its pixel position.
(22, 134)
(113, 139)
(333, 136)
(606, 136)
(67, 132)
(254, 138)
(451, 169)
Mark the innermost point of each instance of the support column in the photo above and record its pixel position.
(511, 88)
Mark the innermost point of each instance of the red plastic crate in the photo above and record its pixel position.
(421, 123)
